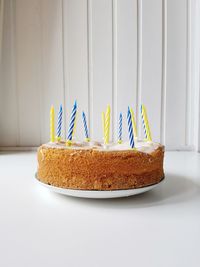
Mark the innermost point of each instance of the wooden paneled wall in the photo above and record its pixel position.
(122, 52)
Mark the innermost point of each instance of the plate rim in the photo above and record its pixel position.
(96, 191)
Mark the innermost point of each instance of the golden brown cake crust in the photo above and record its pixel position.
(93, 169)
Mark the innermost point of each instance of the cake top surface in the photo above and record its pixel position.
(140, 145)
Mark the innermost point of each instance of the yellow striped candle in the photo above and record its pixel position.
(107, 125)
(148, 131)
(133, 123)
(103, 124)
(52, 124)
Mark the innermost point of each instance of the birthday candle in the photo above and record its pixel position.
(149, 138)
(71, 125)
(107, 125)
(130, 129)
(143, 123)
(85, 127)
(75, 123)
(59, 126)
(103, 124)
(108, 108)
(52, 125)
(133, 122)
(120, 129)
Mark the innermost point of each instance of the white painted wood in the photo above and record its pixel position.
(125, 61)
(1, 24)
(100, 53)
(151, 63)
(195, 14)
(194, 71)
(76, 60)
(28, 71)
(176, 87)
(33, 57)
(189, 93)
(8, 96)
(164, 72)
(52, 62)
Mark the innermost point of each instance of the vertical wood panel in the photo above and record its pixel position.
(100, 61)
(176, 73)
(194, 73)
(126, 59)
(1, 25)
(151, 63)
(28, 82)
(76, 60)
(52, 61)
(8, 96)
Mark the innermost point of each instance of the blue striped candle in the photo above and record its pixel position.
(85, 127)
(120, 129)
(71, 125)
(59, 126)
(130, 129)
(143, 123)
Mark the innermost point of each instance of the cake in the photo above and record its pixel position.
(95, 166)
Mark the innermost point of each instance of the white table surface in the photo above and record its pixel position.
(158, 228)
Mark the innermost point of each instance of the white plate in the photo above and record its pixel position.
(97, 193)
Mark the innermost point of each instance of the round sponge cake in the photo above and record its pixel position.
(92, 166)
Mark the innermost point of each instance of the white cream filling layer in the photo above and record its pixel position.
(140, 145)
